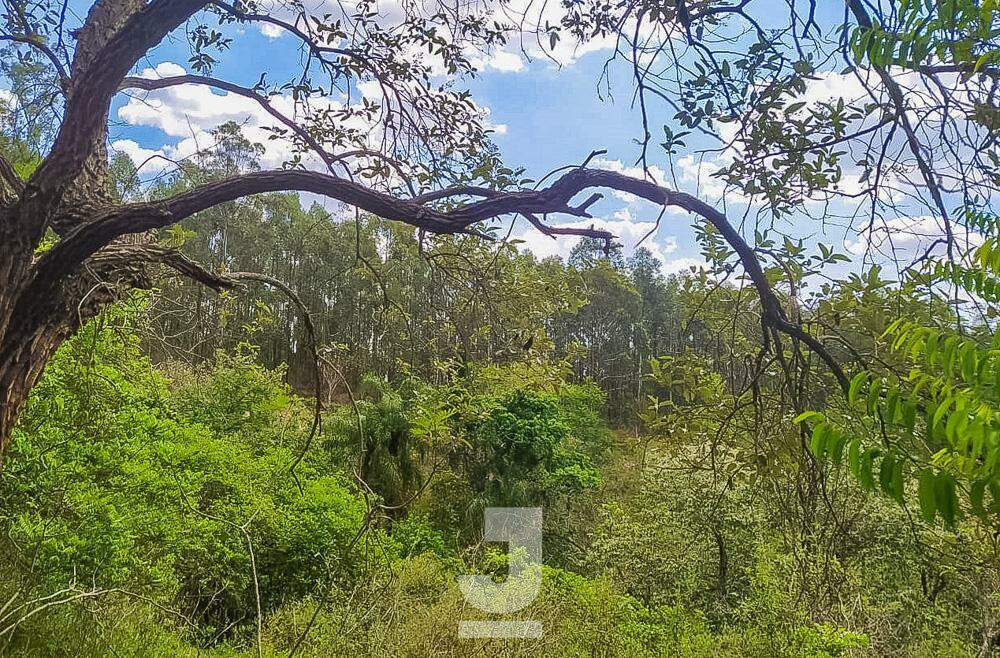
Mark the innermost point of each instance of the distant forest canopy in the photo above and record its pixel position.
(382, 303)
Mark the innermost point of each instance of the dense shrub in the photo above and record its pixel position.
(121, 478)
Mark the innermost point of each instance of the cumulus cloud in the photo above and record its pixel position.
(657, 174)
(695, 172)
(631, 233)
(684, 264)
(192, 111)
(905, 238)
(271, 31)
(653, 172)
(527, 42)
(502, 61)
(187, 114)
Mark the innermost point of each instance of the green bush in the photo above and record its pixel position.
(119, 478)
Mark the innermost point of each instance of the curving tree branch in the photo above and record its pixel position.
(151, 84)
(307, 39)
(557, 198)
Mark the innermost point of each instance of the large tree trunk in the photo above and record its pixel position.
(18, 375)
(43, 314)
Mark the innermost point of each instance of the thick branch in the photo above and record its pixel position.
(66, 256)
(459, 190)
(965, 68)
(175, 260)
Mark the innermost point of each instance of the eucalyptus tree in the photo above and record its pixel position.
(419, 152)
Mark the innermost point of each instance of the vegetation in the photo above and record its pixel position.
(238, 423)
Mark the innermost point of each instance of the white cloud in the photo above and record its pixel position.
(696, 174)
(188, 113)
(630, 233)
(185, 111)
(503, 61)
(7, 99)
(653, 172)
(683, 265)
(271, 31)
(905, 238)
(527, 41)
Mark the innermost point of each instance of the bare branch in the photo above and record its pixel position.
(175, 260)
(329, 159)
(150, 84)
(898, 100)
(307, 39)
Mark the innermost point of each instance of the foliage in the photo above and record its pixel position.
(937, 421)
(125, 479)
(959, 32)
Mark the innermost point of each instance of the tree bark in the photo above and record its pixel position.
(39, 325)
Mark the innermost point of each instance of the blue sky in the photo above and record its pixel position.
(547, 116)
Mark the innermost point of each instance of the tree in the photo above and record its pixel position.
(427, 170)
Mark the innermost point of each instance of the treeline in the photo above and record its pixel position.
(154, 506)
(387, 301)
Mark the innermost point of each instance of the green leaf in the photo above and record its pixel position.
(835, 447)
(818, 444)
(944, 496)
(867, 478)
(898, 483)
(976, 494)
(808, 415)
(885, 474)
(891, 403)
(909, 416)
(854, 458)
(856, 383)
(925, 494)
(874, 395)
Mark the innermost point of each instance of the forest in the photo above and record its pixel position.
(697, 298)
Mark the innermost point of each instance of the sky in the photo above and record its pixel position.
(545, 116)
